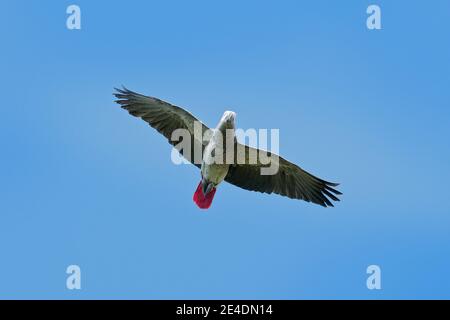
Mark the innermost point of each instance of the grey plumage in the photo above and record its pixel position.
(290, 181)
(162, 116)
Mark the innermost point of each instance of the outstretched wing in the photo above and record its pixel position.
(165, 118)
(290, 180)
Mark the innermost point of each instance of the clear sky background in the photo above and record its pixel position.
(84, 183)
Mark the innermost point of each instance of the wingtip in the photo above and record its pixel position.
(122, 90)
(332, 184)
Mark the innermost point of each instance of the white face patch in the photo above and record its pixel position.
(228, 115)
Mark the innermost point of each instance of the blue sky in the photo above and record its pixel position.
(84, 183)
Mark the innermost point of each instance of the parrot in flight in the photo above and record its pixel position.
(290, 180)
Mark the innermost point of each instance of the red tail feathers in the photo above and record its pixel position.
(202, 201)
